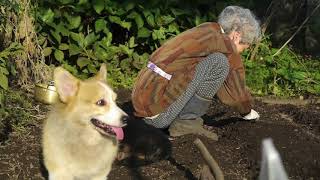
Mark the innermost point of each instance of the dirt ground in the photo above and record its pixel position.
(295, 131)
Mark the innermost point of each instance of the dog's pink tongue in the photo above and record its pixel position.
(119, 132)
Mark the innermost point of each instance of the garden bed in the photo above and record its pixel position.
(295, 131)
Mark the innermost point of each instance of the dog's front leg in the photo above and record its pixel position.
(102, 176)
(62, 175)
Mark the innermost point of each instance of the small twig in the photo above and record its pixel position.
(300, 27)
(218, 174)
(264, 28)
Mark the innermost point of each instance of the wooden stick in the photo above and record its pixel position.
(218, 174)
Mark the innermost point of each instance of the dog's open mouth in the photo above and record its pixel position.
(108, 130)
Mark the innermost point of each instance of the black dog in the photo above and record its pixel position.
(143, 144)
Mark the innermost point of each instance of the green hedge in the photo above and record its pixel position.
(81, 34)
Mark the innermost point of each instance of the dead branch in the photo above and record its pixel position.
(218, 174)
(264, 27)
(300, 27)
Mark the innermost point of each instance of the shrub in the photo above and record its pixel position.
(286, 74)
(81, 34)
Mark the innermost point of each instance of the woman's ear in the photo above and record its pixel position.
(102, 74)
(235, 37)
(66, 84)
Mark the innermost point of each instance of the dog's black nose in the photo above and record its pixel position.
(125, 119)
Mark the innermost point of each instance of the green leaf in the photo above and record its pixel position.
(48, 16)
(173, 28)
(92, 69)
(117, 20)
(131, 42)
(138, 19)
(114, 9)
(4, 71)
(149, 17)
(56, 36)
(13, 70)
(145, 57)
(66, 1)
(85, 71)
(74, 21)
(58, 54)
(129, 6)
(106, 41)
(100, 53)
(90, 38)
(4, 81)
(126, 25)
(82, 2)
(143, 32)
(83, 62)
(178, 12)
(125, 49)
(164, 20)
(299, 75)
(197, 21)
(159, 34)
(106, 31)
(100, 25)
(74, 49)
(78, 37)
(63, 46)
(125, 64)
(47, 51)
(139, 61)
(41, 39)
(98, 5)
(1, 100)
(70, 68)
(61, 29)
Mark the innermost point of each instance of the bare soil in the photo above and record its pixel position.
(295, 131)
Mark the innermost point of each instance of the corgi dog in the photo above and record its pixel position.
(81, 134)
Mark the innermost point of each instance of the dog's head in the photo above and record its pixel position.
(90, 102)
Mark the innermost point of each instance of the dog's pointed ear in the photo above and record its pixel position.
(102, 74)
(66, 84)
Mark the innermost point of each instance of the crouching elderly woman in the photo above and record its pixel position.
(185, 73)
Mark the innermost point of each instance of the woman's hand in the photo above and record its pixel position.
(253, 115)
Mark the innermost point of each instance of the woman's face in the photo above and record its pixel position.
(236, 39)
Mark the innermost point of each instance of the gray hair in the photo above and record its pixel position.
(236, 18)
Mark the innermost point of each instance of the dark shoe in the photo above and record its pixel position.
(181, 127)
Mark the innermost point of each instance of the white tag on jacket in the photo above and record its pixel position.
(158, 70)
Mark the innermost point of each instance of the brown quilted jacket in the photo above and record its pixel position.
(152, 93)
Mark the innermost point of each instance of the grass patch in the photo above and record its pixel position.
(286, 74)
(17, 25)
(18, 112)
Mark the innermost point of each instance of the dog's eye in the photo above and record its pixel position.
(101, 102)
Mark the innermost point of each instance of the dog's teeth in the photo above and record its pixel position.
(100, 126)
